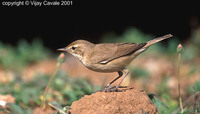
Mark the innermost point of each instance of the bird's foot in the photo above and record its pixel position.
(113, 89)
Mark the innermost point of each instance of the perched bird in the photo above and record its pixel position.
(109, 57)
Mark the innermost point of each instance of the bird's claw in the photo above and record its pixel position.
(111, 89)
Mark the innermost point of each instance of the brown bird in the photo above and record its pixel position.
(109, 57)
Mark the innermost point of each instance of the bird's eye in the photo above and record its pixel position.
(73, 48)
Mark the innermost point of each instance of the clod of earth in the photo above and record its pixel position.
(129, 101)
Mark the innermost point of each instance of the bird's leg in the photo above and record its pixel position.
(107, 87)
(126, 71)
(115, 88)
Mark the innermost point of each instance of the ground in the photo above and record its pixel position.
(128, 101)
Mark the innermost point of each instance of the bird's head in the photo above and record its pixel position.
(78, 48)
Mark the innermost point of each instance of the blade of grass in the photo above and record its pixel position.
(196, 104)
(59, 63)
(57, 108)
(179, 50)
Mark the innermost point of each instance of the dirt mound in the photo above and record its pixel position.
(129, 101)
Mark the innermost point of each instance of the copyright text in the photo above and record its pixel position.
(37, 3)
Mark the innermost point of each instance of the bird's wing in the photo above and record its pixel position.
(105, 53)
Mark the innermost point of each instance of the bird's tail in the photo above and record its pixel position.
(151, 42)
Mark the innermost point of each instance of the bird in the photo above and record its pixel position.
(109, 57)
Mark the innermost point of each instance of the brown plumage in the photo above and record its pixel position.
(109, 57)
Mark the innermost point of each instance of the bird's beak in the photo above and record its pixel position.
(62, 49)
